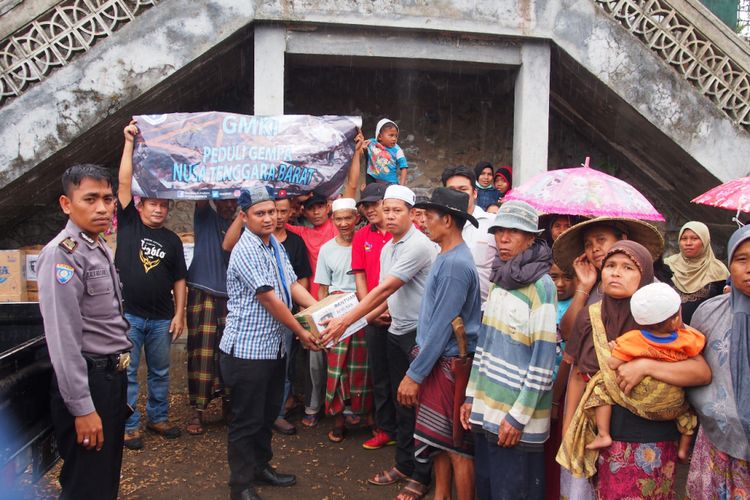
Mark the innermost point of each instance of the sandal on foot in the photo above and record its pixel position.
(414, 490)
(337, 434)
(195, 427)
(353, 420)
(390, 476)
(310, 420)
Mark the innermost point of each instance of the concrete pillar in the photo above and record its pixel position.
(268, 90)
(531, 112)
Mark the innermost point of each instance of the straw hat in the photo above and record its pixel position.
(570, 244)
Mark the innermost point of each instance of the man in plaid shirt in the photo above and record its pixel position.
(262, 287)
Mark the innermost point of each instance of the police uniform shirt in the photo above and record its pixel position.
(81, 304)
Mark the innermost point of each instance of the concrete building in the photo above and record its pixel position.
(656, 93)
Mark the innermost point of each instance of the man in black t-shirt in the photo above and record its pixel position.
(297, 252)
(151, 264)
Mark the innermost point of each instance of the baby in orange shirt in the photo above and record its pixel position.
(664, 337)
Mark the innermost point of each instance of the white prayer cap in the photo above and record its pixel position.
(381, 123)
(344, 204)
(654, 303)
(399, 192)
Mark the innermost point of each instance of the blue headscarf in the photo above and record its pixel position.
(739, 338)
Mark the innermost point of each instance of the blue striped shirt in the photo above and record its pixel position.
(251, 332)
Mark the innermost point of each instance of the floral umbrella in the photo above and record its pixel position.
(584, 191)
(732, 195)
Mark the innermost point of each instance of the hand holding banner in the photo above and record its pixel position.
(194, 156)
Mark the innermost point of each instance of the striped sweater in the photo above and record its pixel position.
(511, 377)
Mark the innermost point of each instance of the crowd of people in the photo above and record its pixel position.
(507, 354)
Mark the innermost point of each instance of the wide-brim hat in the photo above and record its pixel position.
(516, 214)
(450, 201)
(569, 245)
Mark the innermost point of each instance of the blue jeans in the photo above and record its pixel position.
(151, 335)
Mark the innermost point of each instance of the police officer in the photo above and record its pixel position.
(79, 296)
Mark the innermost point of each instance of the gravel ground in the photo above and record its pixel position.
(195, 467)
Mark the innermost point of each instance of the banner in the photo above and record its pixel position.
(195, 156)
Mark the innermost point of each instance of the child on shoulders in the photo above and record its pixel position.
(385, 158)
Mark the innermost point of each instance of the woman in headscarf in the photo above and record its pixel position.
(486, 193)
(641, 461)
(581, 250)
(697, 274)
(720, 466)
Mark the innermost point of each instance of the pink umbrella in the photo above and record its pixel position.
(732, 195)
(584, 191)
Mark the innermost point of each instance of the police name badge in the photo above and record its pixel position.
(63, 273)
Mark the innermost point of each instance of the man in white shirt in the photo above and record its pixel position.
(478, 239)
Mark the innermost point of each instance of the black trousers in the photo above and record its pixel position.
(399, 348)
(89, 473)
(515, 473)
(257, 386)
(377, 357)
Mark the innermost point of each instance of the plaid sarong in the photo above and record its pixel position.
(206, 317)
(348, 382)
(433, 430)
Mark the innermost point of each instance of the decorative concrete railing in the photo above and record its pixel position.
(54, 38)
(696, 44)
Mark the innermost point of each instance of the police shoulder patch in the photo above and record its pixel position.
(63, 273)
(69, 244)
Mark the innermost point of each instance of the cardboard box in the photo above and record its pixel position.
(32, 256)
(32, 296)
(12, 276)
(331, 307)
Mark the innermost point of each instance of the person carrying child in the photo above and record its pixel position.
(663, 337)
(385, 159)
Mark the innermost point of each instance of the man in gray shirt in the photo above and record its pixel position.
(405, 263)
(80, 301)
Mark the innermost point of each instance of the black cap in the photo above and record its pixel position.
(314, 200)
(450, 201)
(372, 192)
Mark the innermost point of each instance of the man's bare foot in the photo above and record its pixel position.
(600, 442)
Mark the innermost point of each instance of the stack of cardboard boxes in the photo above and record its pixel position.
(18, 268)
(13, 276)
(31, 256)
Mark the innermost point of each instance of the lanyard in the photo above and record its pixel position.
(281, 273)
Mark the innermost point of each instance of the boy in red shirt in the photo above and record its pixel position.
(366, 247)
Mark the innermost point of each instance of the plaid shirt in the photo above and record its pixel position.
(251, 332)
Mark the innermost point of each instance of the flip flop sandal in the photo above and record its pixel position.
(390, 476)
(414, 490)
(195, 427)
(337, 434)
(310, 421)
(353, 420)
